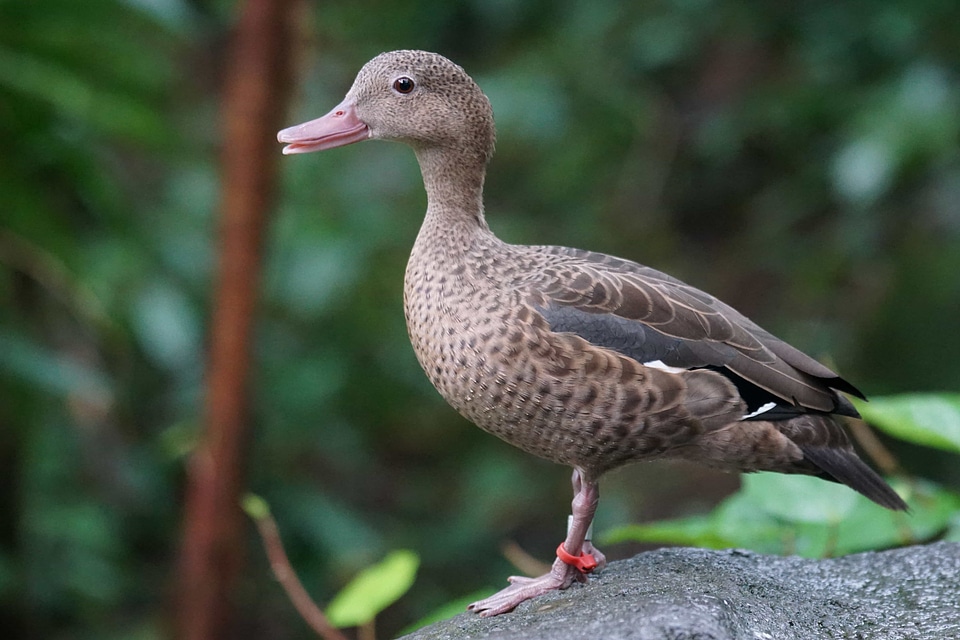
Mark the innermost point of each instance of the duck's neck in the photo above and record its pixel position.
(453, 179)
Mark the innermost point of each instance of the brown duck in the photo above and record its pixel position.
(577, 357)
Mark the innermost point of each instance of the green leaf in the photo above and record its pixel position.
(744, 524)
(811, 518)
(798, 498)
(697, 531)
(255, 506)
(167, 324)
(75, 96)
(870, 526)
(953, 533)
(928, 419)
(374, 589)
(50, 371)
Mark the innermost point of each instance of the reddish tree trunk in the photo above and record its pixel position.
(255, 92)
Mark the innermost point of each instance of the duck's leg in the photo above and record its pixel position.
(576, 556)
(587, 549)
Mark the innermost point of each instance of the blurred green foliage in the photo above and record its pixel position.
(798, 160)
(931, 420)
(373, 590)
(800, 515)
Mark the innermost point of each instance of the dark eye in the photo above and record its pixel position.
(403, 85)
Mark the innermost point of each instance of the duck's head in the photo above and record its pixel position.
(416, 97)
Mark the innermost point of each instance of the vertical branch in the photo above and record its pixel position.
(255, 91)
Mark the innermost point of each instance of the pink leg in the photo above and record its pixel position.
(586, 494)
(587, 547)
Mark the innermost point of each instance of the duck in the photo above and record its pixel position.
(581, 358)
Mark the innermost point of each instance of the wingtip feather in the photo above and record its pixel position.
(847, 468)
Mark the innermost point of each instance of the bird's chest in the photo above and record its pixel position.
(476, 342)
(493, 358)
(451, 317)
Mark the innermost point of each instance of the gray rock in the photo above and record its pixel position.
(695, 594)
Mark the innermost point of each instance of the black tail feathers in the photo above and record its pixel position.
(844, 466)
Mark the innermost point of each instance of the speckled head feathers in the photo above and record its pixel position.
(440, 106)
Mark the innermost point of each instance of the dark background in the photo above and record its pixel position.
(798, 160)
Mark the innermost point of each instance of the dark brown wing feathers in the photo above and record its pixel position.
(634, 305)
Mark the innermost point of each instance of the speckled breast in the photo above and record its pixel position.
(492, 357)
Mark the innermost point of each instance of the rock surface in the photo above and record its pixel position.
(695, 594)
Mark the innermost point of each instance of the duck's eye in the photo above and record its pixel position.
(403, 85)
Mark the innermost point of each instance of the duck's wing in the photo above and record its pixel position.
(662, 322)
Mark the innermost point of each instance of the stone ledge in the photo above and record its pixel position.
(694, 594)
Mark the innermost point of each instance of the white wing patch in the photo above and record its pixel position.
(658, 364)
(763, 409)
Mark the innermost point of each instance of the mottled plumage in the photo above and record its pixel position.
(580, 358)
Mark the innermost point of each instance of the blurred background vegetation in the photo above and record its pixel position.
(800, 161)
